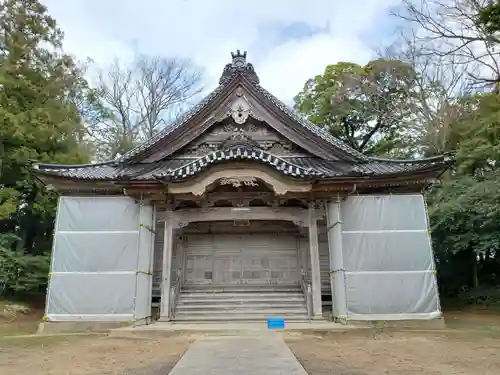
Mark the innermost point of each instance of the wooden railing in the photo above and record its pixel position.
(174, 293)
(307, 290)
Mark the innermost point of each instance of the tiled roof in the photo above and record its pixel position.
(174, 125)
(98, 171)
(371, 167)
(176, 169)
(316, 130)
(230, 73)
(239, 153)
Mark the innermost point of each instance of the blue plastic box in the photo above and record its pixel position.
(275, 323)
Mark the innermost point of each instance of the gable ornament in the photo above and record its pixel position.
(240, 110)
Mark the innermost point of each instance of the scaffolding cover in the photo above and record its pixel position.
(101, 260)
(388, 258)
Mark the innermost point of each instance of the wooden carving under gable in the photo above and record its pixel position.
(240, 125)
(251, 132)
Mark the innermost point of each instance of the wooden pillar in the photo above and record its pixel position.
(304, 262)
(168, 242)
(337, 273)
(315, 265)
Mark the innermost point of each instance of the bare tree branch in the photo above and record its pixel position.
(440, 81)
(449, 28)
(141, 99)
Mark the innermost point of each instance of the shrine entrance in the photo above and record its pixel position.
(231, 259)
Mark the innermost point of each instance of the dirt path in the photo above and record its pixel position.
(399, 354)
(90, 356)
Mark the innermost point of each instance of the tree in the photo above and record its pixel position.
(489, 17)
(479, 125)
(38, 118)
(451, 28)
(21, 272)
(366, 106)
(465, 218)
(436, 105)
(139, 100)
(465, 209)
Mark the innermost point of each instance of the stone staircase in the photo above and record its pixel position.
(212, 304)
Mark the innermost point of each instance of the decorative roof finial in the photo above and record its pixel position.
(239, 65)
(239, 59)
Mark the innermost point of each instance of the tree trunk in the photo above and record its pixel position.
(25, 223)
(475, 277)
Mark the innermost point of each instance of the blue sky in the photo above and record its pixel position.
(288, 41)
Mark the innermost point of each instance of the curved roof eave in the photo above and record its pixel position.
(239, 153)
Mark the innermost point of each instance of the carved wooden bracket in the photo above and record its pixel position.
(238, 182)
(279, 185)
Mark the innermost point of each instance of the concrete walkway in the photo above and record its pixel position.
(266, 354)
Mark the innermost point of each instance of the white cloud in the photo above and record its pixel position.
(287, 67)
(207, 31)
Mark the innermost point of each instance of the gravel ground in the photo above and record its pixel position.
(471, 346)
(90, 356)
(399, 353)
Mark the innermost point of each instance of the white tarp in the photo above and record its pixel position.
(101, 260)
(388, 259)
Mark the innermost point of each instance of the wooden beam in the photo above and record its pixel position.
(180, 218)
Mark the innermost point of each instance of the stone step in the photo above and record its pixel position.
(238, 301)
(237, 317)
(241, 288)
(230, 308)
(240, 304)
(235, 307)
(247, 295)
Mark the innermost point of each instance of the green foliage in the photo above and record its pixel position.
(489, 17)
(465, 215)
(9, 198)
(479, 127)
(42, 92)
(426, 106)
(366, 106)
(21, 273)
(465, 209)
(487, 296)
(371, 108)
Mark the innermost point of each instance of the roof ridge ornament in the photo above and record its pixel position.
(238, 65)
(239, 59)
